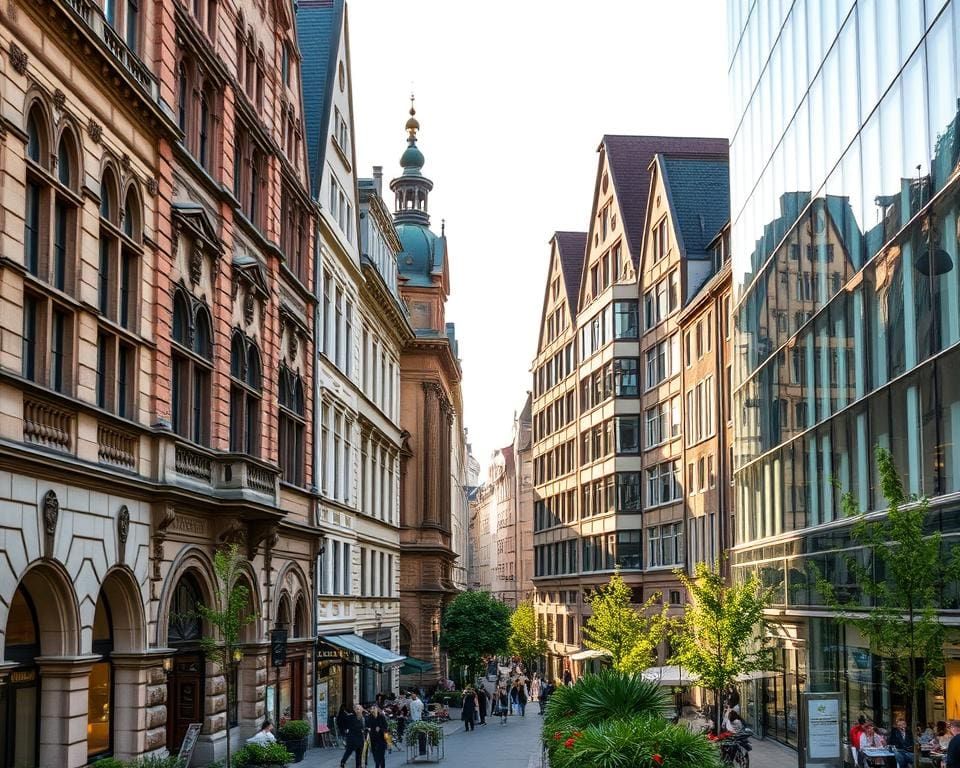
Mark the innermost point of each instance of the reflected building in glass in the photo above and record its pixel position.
(844, 207)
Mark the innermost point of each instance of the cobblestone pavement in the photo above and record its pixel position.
(514, 745)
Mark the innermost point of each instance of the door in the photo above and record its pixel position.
(296, 689)
(184, 699)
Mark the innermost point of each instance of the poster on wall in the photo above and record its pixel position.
(271, 701)
(323, 707)
(822, 721)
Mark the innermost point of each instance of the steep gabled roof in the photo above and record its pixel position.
(629, 158)
(698, 190)
(319, 23)
(572, 247)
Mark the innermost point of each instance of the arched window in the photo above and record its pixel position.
(50, 237)
(299, 628)
(183, 624)
(100, 690)
(203, 146)
(245, 396)
(291, 426)
(192, 358)
(253, 210)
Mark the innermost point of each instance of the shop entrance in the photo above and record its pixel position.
(186, 680)
(20, 692)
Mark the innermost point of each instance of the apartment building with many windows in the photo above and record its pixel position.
(686, 207)
(593, 477)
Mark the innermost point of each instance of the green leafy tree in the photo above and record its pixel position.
(475, 624)
(629, 634)
(721, 634)
(523, 640)
(896, 586)
(227, 616)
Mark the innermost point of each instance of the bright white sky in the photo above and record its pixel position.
(513, 97)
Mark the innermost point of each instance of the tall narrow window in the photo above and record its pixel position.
(203, 138)
(245, 388)
(291, 426)
(133, 25)
(58, 351)
(182, 96)
(31, 311)
(31, 238)
(191, 372)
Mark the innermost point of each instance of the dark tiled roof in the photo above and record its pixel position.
(571, 246)
(318, 35)
(698, 188)
(629, 158)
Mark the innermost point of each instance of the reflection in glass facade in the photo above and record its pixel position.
(845, 195)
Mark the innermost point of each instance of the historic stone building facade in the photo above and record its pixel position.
(156, 373)
(434, 460)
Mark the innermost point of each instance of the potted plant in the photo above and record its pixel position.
(270, 756)
(293, 735)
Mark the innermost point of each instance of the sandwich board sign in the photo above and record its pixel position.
(189, 742)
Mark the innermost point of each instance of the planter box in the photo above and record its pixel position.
(296, 747)
(420, 750)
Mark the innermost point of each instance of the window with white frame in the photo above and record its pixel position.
(662, 361)
(336, 568)
(664, 483)
(665, 545)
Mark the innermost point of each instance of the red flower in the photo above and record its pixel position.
(657, 759)
(568, 743)
(578, 734)
(558, 736)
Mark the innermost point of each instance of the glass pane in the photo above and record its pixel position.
(98, 709)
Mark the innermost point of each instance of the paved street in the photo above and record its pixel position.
(514, 745)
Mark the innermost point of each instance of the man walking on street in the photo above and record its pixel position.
(482, 698)
(545, 690)
(416, 708)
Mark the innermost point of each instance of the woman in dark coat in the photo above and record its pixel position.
(377, 727)
(353, 733)
(482, 697)
(469, 708)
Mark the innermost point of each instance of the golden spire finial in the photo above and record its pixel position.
(413, 125)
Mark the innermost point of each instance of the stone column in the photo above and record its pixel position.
(139, 703)
(252, 682)
(63, 709)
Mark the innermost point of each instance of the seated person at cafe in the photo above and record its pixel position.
(953, 748)
(870, 739)
(902, 740)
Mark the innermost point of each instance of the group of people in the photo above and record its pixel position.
(358, 727)
(864, 734)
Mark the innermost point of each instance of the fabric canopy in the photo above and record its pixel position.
(382, 657)
(670, 675)
(588, 654)
(412, 666)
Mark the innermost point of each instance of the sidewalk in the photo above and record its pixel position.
(514, 745)
(769, 754)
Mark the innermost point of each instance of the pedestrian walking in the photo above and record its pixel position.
(545, 692)
(482, 698)
(354, 734)
(469, 710)
(522, 699)
(535, 687)
(416, 708)
(503, 704)
(378, 728)
(567, 677)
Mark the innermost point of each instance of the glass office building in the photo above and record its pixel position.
(844, 205)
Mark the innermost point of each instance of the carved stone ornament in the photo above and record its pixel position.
(153, 187)
(59, 99)
(51, 512)
(18, 59)
(248, 304)
(123, 524)
(95, 130)
(125, 162)
(196, 264)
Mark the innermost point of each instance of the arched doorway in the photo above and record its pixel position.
(100, 698)
(20, 697)
(186, 680)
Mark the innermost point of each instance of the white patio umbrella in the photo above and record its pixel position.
(670, 676)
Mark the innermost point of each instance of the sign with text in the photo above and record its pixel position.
(189, 742)
(323, 707)
(278, 646)
(822, 729)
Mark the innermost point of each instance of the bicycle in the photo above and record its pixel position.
(735, 749)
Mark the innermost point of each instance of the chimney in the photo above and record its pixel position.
(378, 178)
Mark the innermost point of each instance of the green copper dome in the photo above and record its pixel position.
(412, 159)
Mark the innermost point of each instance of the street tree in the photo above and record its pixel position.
(227, 616)
(523, 640)
(894, 588)
(630, 635)
(475, 624)
(721, 634)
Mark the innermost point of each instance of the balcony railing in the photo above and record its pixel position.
(91, 16)
(47, 425)
(116, 447)
(224, 472)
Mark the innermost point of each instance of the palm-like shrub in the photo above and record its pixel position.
(609, 695)
(644, 741)
(616, 720)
